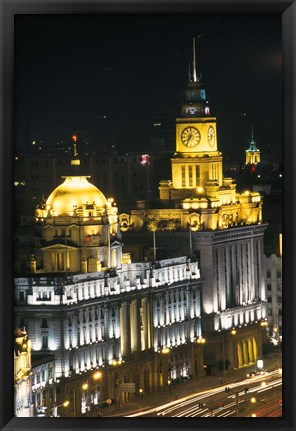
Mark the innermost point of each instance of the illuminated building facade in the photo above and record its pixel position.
(139, 323)
(23, 406)
(253, 152)
(273, 266)
(43, 384)
(201, 213)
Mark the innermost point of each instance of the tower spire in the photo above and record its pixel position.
(75, 160)
(252, 133)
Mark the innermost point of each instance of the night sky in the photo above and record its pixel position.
(71, 70)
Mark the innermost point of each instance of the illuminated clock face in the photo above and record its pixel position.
(211, 136)
(190, 137)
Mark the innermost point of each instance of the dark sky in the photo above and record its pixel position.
(70, 70)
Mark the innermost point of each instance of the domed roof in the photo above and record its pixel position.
(72, 194)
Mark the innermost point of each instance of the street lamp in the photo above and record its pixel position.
(141, 392)
(64, 404)
(87, 386)
(166, 352)
(232, 332)
(254, 401)
(201, 341)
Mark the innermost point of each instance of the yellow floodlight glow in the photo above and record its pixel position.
(98, 375)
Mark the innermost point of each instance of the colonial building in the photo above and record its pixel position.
(200, 212)
(43, 384)
(23, 405)
(138, 323)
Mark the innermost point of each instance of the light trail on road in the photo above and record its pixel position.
(188, 406)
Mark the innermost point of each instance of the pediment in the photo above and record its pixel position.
(58, 247)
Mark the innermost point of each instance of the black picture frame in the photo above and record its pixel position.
(9, 9)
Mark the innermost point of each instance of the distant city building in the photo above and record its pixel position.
(273, 266)
(23, 406)
(252, 153)
(201, 213)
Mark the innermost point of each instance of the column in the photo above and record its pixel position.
(150, 323)
(124, 330)
(240, 354)
(233, 354)
(145, 323)
(245, 353)
(250, 350)
(255, 349)
(135, 336)
(53, 262)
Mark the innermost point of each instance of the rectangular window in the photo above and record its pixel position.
(190, 176)
(197, 175)
(269, 299)
(183, 176)
(21, 296)
(269, 287)
(44, 322)
(44, 341)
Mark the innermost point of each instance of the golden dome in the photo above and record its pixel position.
(72, 194)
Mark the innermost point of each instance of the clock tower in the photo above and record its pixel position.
(197, 159)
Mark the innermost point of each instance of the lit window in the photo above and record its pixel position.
(183, 176)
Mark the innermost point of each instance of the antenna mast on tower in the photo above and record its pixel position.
(194, 66)
(194, 62)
